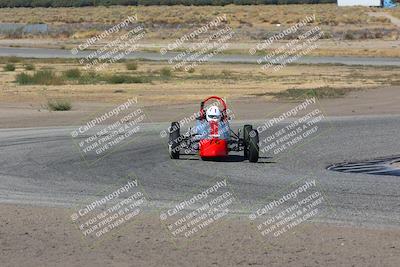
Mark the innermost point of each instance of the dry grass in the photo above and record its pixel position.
(327, 14)
(59, 105)
(260, 15)
(251, 24)
(395, 12)
(230, 80)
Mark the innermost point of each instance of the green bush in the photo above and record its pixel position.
(42, 77)
(73, 74)
(116, 79)
(59, 105)
(166, 72)
(14, 59)
(9, 67)
(23, 79)
(93, 78)
(89, 78)
(132, 65)
(29, 67)
(349, 36)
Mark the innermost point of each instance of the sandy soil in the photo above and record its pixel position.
(21, 115)
(39, 236)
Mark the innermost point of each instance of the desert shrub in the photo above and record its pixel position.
(59, 105)
(42, 77)
(166, 72)
(9, 67)
(93, 78)
(73, 74)
(349, 36)
(29, 66)
(132, 65)
(116, 79)
(226, 72)
(14, 59)
(89, 78)
(23, 79)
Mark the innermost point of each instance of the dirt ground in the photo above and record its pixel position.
(22, 115)
(39, 236)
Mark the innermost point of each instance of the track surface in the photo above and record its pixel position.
(60, 53)
(42, 166)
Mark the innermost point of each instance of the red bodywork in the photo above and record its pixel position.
(214, 146)
(211, 148)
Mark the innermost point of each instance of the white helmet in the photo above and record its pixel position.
(213, 114)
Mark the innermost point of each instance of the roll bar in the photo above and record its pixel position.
(203, 114)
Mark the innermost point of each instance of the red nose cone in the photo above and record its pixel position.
(210, 148)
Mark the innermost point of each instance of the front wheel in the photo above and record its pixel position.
(253, 146)
(174, 143)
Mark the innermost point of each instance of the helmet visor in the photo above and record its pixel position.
(213, 116)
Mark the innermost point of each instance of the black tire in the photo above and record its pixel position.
(246, 139)
(173, 144)
(253, 146)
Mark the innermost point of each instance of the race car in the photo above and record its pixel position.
(212, 136)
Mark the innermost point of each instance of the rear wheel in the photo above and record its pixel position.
(246, 139)
(253, 146)
(173, 144)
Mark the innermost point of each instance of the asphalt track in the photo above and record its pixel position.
(61, 53)
(42, 166)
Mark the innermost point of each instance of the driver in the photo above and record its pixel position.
(213, 114)
(218, 127)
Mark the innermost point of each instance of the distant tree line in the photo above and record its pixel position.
(82, 3)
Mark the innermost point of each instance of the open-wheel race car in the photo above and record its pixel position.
(212, 136)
